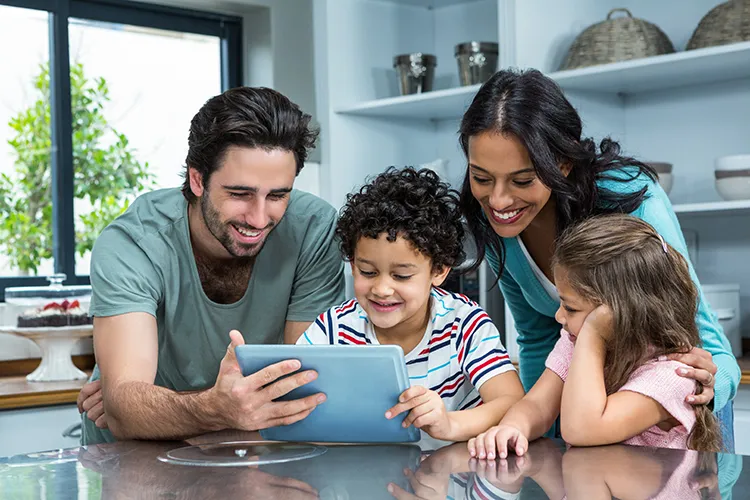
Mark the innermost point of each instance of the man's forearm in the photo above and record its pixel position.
(139, 410)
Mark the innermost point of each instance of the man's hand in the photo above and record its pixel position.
(90, 401)
(247, 403)
(428, 412)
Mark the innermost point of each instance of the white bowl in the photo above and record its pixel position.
(663, 173)
(733, 162)
(666, 181)
(734, 188)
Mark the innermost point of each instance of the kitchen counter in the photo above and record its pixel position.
(745, 367)
(132, 470)
(16, 392)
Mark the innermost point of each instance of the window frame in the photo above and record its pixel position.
(227, 27)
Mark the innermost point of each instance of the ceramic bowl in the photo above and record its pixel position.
(664, 171)
(732, 175)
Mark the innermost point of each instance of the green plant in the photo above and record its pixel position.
(107, 174)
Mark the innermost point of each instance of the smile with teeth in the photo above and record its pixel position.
(385, 304)
(506, 214)
(384, 307)
(248, 232)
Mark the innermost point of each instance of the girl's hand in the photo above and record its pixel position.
(428, 412)
(702, 369)
(496, 441)
(601, 321)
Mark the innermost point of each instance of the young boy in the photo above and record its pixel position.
(402, 234)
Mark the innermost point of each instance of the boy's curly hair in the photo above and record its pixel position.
(410, 203)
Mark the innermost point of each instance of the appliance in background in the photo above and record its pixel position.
(479, 286)
(725, 302)
(724, 299)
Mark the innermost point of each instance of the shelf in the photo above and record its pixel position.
(693, 67)
(434, 105)
(714, 208)
(701, 66)
(430, 4)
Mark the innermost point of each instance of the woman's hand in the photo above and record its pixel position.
(428, 412)
(701, 368)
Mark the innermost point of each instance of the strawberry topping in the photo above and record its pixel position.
(64, 306)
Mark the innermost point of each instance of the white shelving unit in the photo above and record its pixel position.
(718, 208)
(682, 69)
(669, 71)
(686, 108)
(435, 105)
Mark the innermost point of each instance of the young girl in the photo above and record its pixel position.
(402, 234)
(627, 301)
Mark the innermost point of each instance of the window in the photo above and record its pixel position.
(96, 99)
(24, 141)
(142, 110)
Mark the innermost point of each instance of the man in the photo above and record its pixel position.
(235, 249)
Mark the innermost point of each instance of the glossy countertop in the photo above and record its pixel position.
(131, 469)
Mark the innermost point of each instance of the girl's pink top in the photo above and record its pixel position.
(657, 380)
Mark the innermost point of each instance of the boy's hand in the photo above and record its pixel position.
(496, 441)
(428, 412)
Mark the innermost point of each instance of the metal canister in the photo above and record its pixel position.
(477, 61)
(416, 72)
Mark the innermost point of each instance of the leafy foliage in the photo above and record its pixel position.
(107, 174)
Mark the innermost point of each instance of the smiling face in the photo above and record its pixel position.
(573, 308)
(504, 182)
(392, 283)
(245, 198)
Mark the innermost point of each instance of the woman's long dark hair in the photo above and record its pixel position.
(532, 108)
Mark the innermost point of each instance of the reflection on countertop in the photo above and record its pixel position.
(549, 470)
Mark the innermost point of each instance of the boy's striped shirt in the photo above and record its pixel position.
(460, 350)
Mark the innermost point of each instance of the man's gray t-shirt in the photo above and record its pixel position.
(144, 262)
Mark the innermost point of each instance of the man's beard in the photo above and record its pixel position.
(221, 231)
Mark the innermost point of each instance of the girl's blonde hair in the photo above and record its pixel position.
(621, 261)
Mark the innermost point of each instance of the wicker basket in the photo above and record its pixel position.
(619, 39)
(726, 23)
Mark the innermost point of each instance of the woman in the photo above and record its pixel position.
(530, 175)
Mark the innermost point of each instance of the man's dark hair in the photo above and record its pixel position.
(413, 204)
(253, 117)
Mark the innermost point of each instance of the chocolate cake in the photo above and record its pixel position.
(55, 314)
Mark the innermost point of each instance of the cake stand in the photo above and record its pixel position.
(56, 344)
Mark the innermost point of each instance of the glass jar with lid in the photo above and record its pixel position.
(50, 306)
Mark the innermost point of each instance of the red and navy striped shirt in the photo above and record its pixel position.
(460, 349)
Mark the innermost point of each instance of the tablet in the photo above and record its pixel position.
(360, 383)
